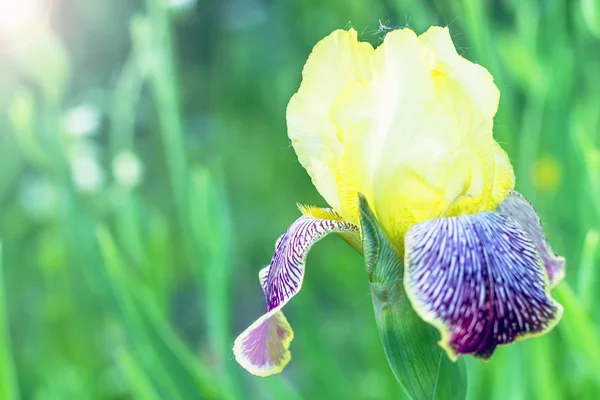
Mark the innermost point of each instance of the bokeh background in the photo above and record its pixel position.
(145, 174)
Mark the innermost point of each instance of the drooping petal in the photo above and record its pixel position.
(480, 281)
(263, 348)
(520, 210)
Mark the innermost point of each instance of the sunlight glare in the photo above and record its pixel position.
(20, 20)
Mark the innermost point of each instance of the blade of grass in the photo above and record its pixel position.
(141, 345)
(154, 45)
(181, 361)
(141, 386)
(587, 285)
(211, 222)
(8, 381)
(165, 357)
(125, 99)
(541, 362)
(578, 330)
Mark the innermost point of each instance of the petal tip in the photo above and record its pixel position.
(486, 354)
(263, 348)
(400, 36)
(319, 213)
(438, 30)
(559, 270)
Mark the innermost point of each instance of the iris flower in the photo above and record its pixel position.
(408, 125)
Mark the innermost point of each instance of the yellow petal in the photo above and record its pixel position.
(336, 63)
(408, 124)
(475, 79)
(368, 117)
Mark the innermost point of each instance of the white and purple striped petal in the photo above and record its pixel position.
(520, 210)
(263, 348)
(480, 280)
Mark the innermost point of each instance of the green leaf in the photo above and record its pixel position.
(410, 344)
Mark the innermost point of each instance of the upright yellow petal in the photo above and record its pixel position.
(336, 63)
(408, 124)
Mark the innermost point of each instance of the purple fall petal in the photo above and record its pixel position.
(263, 348)
(479, 280)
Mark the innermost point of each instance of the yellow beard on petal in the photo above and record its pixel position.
(408, 124)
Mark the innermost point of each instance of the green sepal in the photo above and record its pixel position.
(420, 365)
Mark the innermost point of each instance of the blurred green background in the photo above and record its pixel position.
(145, 174)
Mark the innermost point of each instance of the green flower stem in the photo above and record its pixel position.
(410, 345)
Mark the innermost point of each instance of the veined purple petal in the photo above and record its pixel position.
(479, 280)
(520, 210)
(263, 348)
